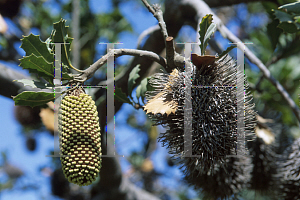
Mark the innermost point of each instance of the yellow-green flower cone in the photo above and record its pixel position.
(80, 141)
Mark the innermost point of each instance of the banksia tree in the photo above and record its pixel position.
(80, 141)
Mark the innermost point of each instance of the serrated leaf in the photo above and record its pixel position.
(134, 74)
(142, 89)
(29, 98)
(226, 51)
(289, 27)
(39, 66)
(204, 25)
(292, 7)
(286, 22)
(121, 96)
(35, 84)
(211, 29)
(33, 45)
(60, 35)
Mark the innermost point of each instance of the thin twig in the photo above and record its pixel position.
(148, 6)
(158, 14)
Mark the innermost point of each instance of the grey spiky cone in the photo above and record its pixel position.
(289, 172)
(214, 117)
(225, 181)
(80, 141)
(263, 151)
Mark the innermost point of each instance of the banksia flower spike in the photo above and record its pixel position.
(80, 141)
(214, 113)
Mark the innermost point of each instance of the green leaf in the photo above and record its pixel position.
(134, 74)
(29, 98)
(273, 33)
(226, 51)
(33, 45)
(142, 88)
(211, 29)
(289, 27)
(204, 26)
(121, 96)
(287, 21)
(61, 36)
(39, 66)
(292, 7)
(35, 84)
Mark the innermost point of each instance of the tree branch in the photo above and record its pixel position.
(89, 72)
(158, 14)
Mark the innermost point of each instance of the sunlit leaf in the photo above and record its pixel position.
(33, 45)
(61, 36)
(204, 26)
(291, 7)
(39, 66)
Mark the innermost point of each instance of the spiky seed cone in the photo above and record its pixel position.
(80, 141)
(289, 172)
(263, 155)
(225, 181)
(214, 111)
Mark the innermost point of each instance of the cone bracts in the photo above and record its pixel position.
(80, 141)
(214, 112)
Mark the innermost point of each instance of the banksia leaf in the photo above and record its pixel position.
(80, 141)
